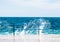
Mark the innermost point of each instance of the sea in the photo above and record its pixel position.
(30, 29)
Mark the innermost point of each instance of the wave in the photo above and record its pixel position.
(29, 25)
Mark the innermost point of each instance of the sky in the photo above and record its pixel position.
(29, 8)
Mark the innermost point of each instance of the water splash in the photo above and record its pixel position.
(29, 26)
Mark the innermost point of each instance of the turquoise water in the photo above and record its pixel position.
(13, 24)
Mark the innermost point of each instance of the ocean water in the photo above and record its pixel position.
(29, 25)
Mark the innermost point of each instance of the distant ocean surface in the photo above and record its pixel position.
(29, 25)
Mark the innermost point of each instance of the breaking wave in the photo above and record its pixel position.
(29, 25)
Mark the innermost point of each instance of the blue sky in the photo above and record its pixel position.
(30, 8)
